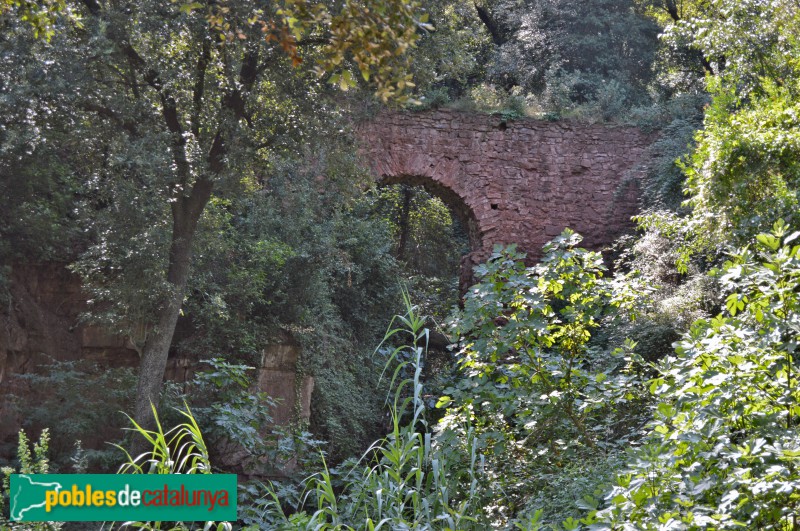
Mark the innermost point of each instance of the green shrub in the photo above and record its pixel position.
(723, 450)
(306, 260)
(404, 481)
(433, 99)
(488, 98)
(238, 420)
(533, 390)
(35, 462)
(77, 401)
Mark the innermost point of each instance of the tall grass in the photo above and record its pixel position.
(179, 450)
(404, 480)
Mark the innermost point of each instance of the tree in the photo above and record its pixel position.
(308, 257)
(743, 40)
(743, 174)
(182, 102)
(569, 54)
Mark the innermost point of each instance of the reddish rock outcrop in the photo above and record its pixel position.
(42, 325)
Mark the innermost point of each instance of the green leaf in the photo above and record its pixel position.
(668, 410)
(769, 241)
(188, 8)
(443, 402)
(346, 80)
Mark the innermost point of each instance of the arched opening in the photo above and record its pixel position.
(460, 211)
(433, 231)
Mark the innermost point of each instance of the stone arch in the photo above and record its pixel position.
(459, 206)
(520, 181)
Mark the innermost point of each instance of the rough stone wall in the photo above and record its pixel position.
(41, 325)
(278, 377)
(40, 322)
(520, 181)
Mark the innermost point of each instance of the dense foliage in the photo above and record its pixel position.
(722, 451)
(430, 241)
(191, 162)
(533, 390)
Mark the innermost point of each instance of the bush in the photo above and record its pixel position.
(534, 392)
(305, 261)
(76, 401)
(723, 447)
(433, 99)
(35, 462)
(238, 424)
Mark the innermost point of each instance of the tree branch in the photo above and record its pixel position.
(313, 41)
(199, 85)
(672, 8)
(706, 65)
(93, 6)
(248, 73)
(169, 111)
(495, 30)
(235, 100)
(106, 112)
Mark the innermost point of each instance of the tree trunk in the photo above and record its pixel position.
(156, 348)
(186, 211)
(403, 223)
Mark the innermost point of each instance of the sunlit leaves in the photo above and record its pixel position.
(724, 440)
(744, 173)
(371, 38)
(375, 36)
(40, 15)
(745, 170)
(747, 41)
(534, 389)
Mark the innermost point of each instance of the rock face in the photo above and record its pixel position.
(279, 379)
(42, 325)
(520, 181)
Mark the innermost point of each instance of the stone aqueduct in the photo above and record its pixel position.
(509, 181)
(520, 181)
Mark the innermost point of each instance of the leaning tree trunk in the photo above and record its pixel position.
(156, 348)
(186, 212)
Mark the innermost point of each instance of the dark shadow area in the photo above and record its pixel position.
(461, 213)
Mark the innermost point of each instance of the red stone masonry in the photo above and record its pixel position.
(520, 181)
